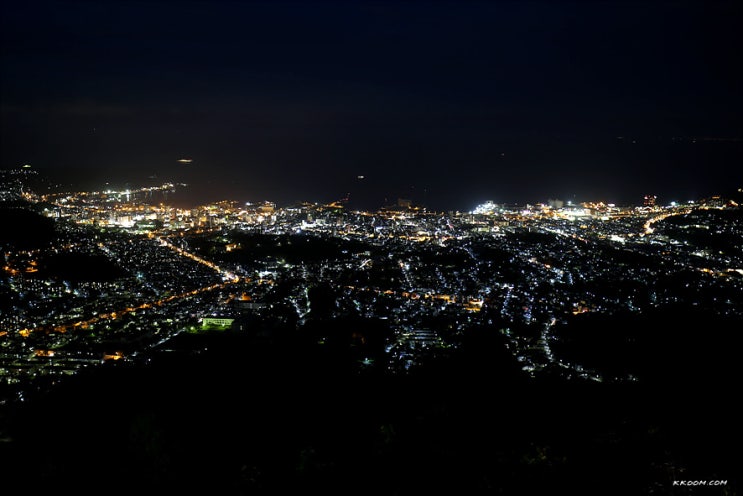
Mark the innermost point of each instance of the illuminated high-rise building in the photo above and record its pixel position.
(649, 200)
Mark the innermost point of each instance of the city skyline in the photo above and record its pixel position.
(358, 196)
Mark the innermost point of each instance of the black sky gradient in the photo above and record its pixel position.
(447, 103)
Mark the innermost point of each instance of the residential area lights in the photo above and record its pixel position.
(523, 271)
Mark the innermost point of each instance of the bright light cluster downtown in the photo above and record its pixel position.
(521, 270)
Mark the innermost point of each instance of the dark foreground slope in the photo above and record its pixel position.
(234, 416)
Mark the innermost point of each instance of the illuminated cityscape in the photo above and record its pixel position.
(116, 278)
(379, 247)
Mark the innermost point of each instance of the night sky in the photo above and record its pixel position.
(446, 103)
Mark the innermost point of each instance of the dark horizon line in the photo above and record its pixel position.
(373, 194)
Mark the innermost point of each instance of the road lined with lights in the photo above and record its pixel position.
(647, 226)
(228, 277)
